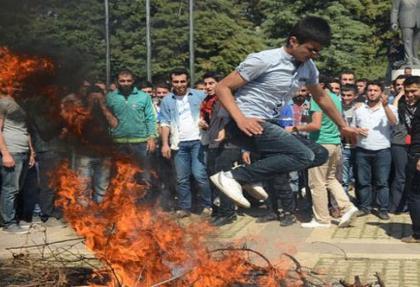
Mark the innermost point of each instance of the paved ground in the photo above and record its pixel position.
(368, 246)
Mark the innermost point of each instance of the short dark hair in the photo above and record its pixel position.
(349, 88)
(162, 84)
(313, 29)
(178, 72)
(94, 89)
(213, 75)
(145, 84)
(394, 82)
(377, 83)
(412, 80)
(362, 80)
(347, 72)
(126, 72)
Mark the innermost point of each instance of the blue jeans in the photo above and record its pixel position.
(373, 169)
(348, 164)
(12, 182)
(137, 153)
(189, 160)
(281, 152)
(95, 175)
(399, 159)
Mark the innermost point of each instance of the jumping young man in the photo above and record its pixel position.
(263, 83)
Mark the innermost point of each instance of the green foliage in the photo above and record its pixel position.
(225, 32)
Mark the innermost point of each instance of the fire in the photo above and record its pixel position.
(144, 246)
(14, 69)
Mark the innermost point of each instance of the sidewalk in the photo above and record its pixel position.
(369, 246)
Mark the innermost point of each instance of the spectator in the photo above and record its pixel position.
(200, 86)
(412, 183)
(347, 77)
(147, 87)
(361, 90)
(135, 133)
(348, 96)
(93, 160)
(323, 178)
(408, 71)
(374, 121)
(179, 118)
(335, 86)
(17, 154)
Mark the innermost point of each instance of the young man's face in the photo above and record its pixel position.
(125, 84)
(361, 87)
(179, 84)
(210, 86)
(347, 97)
(374, 93)
(399, 85)
(412, 93)
(148, 90)
(347, 79)
(335, 88)
(304, 52)
(161, 92)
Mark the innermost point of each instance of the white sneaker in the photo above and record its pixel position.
(231, 188)
(315, 224)
(256, 190)
(347, 217)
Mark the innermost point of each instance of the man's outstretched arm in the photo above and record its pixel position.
(224, 89)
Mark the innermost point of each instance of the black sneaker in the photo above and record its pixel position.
(362, 212)
(383, 215)
(223, 220)
(15, 229)
(267, 218)
(287, 219)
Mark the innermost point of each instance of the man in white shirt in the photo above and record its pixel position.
(374, 121)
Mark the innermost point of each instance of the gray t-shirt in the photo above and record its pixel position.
(15, 132)
(273, 78)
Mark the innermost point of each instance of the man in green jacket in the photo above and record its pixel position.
(135, 132)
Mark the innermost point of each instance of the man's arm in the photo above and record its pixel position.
(164, 135)
(392, 118)
(313, 126)
(7, 159)
(150, 116)
(224, 89)
(109, 116)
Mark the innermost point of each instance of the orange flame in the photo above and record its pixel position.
(145, 246)
(14, 69)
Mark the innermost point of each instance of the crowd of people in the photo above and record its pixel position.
(273, 128)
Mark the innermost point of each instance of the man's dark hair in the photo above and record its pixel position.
(163, 84)
(126, 72)
(412, 80)
(347, 72)
(362, 80)
(145, 84)
(94, 89)
(216, 76)
(313, 29)
(349, 88)
(178, 72)
(376, 83)
(335, 80)
(394, 82)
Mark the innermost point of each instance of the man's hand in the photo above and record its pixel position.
(203, 125)
(221, 136)
(349, 133)
(8, 160)
(250, 126)
(151, 145)
(31, 159)
(418, 165)
(384, 100)
(246, 157)
(362, 132)
(166, 151)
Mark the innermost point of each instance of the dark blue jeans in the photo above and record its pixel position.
(373, 169)
(348, 164)
(281, 152)
(412, 188)
(399, 159)
(12, 182)
(189, 160)
(138, 155)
